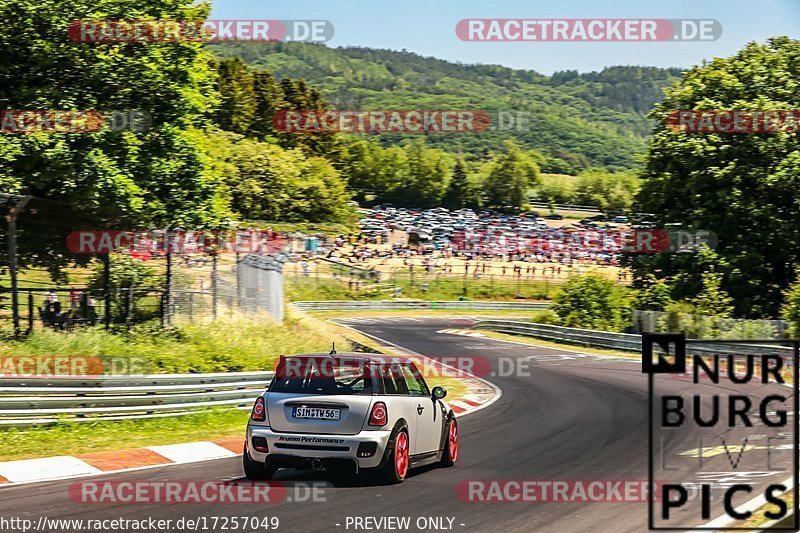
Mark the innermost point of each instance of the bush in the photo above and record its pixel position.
(654, 295)
(592, 302)
(791, 308)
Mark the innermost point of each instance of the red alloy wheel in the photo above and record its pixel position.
(453, 436)
(401, 455)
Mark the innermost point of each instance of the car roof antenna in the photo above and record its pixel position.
(333, 349)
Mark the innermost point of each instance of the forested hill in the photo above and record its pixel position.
(595, 118)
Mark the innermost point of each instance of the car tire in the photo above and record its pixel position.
(450, 452)
(254, 470)
(396, 468)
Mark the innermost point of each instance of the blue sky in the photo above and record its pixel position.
(427, 27)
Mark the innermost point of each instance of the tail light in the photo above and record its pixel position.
(259, 413)
(379, 416)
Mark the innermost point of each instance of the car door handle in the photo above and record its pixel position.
(420, 409)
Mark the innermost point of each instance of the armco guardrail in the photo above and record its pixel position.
(382, 305)
(584, 337)
(616, 341)
(25, 401)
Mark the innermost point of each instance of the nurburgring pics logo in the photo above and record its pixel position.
(734, 121)
(729, 435)
(213, 31)
(588, 30)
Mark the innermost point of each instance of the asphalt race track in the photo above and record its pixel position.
(575, 417)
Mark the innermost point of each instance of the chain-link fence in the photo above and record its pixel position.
(321, 278)
(58, 271)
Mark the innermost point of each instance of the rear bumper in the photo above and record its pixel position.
(313, 446)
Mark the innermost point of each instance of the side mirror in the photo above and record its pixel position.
(439, 393)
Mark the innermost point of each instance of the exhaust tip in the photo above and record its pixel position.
(316, 464)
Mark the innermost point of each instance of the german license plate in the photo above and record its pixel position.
(316, 413)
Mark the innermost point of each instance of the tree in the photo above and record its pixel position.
(268, 182)
(511, 175)
(460, 192)
(555, 189)
(610, 192)
(297, 95)
(423, 185)
(592, 302)
(268, 100)
(743, 187)
(357, 165)
(156, 176)
(237, 109)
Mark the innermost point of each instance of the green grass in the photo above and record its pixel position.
(330, 228)
(69, 438)
(450, 288)
(227, 345)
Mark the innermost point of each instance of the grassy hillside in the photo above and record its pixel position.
(586, 119)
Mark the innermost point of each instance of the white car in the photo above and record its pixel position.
(368, 412)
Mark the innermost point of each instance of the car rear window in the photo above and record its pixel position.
(326, 376)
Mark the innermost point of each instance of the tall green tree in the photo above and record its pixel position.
(790, 311)
(267, 182)
(460, 192)
(298, 95)
(158, 176)
(743, 187)
(654, 295)
(511, 174)
(268, 100)
(423, 186)
(237, 108)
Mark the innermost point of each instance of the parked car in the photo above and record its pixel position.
(554, 216)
